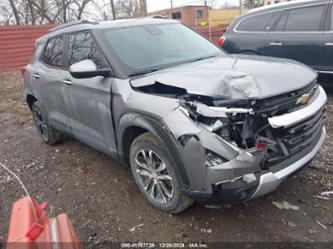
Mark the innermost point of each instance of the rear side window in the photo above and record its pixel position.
(82, 46)
(305, 19)
(261, 22)
(53, 52)
(37, 52)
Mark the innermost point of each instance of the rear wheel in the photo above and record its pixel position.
(153, 171)
(48, 134)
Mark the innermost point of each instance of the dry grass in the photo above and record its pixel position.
(13, 108)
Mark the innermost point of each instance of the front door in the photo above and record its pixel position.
(89, 100)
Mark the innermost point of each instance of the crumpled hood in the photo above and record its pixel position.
(234, 77)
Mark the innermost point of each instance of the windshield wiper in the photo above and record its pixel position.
(143, 72)
(203, 58)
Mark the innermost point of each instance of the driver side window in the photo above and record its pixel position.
(82, 46)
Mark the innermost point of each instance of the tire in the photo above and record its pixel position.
(157, 181)
(48, 134)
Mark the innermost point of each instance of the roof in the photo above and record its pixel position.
(287, 4)
(121, 23)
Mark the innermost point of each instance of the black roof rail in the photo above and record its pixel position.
(159, 17)
(73, 23)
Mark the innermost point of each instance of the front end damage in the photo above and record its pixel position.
(236, 150)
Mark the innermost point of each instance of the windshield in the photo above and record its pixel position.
(152, 47)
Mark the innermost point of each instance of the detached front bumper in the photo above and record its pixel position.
(244, 177)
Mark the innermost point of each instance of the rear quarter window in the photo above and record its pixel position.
(53, 52)
(36, 55)
(257, 23)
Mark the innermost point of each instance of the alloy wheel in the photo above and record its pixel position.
(154, 176)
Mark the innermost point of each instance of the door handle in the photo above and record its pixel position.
(276, 44)
(36, 75)
(329, 44)
(67, 82)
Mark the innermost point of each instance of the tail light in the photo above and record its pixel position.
(221, 41)
(23, 69)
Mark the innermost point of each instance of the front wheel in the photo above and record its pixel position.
(48, 134)
(153, 171)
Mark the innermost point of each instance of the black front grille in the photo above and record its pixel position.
(301, 135)
(293, 140)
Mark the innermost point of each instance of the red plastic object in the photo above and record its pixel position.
(44, 205)
(260, 146)
(34, 231)
(31, 228)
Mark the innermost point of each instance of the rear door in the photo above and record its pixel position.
(250, 34)
(327, 55)
(298, 35)
(89, 100)
(47, 77)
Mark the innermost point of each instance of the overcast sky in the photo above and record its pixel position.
(154, 5)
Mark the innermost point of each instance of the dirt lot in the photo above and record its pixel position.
(103, 202)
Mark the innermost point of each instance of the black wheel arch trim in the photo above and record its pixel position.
(160, 130)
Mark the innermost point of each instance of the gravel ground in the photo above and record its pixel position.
(100, 196)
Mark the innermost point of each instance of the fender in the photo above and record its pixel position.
(161, 131)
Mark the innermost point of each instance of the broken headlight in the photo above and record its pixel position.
(233, 124)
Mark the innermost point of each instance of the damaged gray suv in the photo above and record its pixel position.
(192, 122)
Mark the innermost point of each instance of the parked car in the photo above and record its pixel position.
(192, 122)
(299, 30)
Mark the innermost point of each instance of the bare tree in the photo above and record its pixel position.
(32, 11)
(127, 8)
(81, 5)
(143, 7)
(15, 12)
(250, 4)
(5, 14)
(45, 11)
(48, 11)
(113, 9)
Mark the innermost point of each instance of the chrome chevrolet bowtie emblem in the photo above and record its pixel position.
(303, 99)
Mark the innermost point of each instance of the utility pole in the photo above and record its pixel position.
(113, 9)
(240, 7)
(209, 19)
(143, 7)
(64, 10)
(171, 7)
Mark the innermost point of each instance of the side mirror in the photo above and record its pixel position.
(87, 69)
